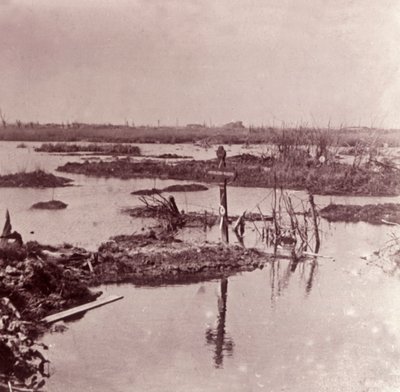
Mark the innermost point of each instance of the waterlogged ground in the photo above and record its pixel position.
(327, 326)
(333, 326)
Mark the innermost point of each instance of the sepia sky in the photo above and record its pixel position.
(259, 61)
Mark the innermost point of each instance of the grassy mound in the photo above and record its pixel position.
(371, 213)
(298, 173)
(185, 188)
(35, 179)
(104, 149)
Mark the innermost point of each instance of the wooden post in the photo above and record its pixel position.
(275, 218)
(223, 176)
(224, 212)
(315, 222)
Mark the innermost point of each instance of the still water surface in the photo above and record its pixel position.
(331, 325)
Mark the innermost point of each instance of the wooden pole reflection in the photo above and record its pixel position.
(217, 336)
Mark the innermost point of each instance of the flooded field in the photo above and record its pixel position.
(330, 324)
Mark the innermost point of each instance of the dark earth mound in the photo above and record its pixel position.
(147, 192)
(98, 149)
(185, 188)
(173, 156)
(50, 205)
(171, 188)
(371, 213)
(35, 179)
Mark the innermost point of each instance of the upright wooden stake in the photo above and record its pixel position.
(224, 212)
(315, 222)
(223, 176)
(275, 218)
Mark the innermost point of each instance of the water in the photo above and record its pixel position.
(327, 326)
(331, 326)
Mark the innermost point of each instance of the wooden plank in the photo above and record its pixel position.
(389, 223)
(90, 266)
(221, 173)
(11, 388)
(82, 308)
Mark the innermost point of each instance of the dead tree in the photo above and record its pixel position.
(165, 210)
(6, 230)
(3, 118)
(288, 230)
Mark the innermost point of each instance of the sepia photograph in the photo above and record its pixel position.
(199, 196)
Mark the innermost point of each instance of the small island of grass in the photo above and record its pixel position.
(50, 205)
(35, 179)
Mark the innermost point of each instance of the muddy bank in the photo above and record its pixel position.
(171, 188)
(193, 219)
(147, 192)
(98, 149)
(173, 156)
(36, 179)
(37, 280)
(22, 145)
(185, 188)
(327, 179)
(186, 219)
(370, 213)
(148, 259)
(50, 205)
(33, 285)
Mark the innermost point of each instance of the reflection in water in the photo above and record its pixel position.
(280, 277)
(217, 336)
(311, 275)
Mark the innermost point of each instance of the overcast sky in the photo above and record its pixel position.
(260, 61)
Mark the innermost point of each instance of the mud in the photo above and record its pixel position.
(328, 179)
(147, 192)
(370, 213)
(173, 156)
(150, 259)
(103, 149)
(33, 285)
(171, 188)
(189, 219)
(50, 205)
(36, 179)
(185, 188)
(37, 280)
(194, 219)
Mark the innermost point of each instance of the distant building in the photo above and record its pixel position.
(234, 125)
